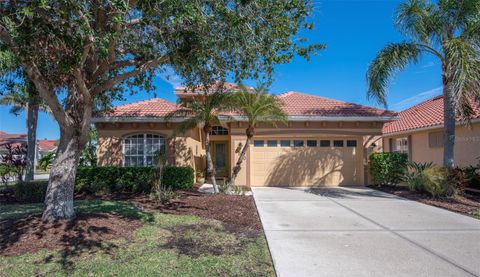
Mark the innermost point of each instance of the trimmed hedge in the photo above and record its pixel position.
(31, 192)
(178, 177)
(388, 167)
(108, 179)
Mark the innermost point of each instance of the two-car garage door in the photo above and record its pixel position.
(303, 162)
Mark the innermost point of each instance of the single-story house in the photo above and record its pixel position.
(419, 132)
(321, 145)
(44, 146)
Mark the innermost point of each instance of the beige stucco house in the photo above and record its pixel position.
(419, 132)
(323, 144)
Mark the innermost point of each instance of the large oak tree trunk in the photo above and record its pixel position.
(449, 128)
(238, 166)
(210, 168)
(32, 118)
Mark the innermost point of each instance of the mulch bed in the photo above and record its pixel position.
(29, 234)
(466, 204)
(239, 211)
(87, 230)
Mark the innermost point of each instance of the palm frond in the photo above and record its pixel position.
(391, 59)
(259, 106)
(463, 72)
(414, 18)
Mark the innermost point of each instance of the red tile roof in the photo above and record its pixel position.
(156, 107)
(425, 114)
(21, 139)
(200, 89)
(297, 103)
(13, 139)
(47, 144)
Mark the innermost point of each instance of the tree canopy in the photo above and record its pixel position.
(91, 49)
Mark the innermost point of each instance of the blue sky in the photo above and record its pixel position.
(354, 32)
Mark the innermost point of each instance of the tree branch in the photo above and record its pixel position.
(48, 95)
(32, 72)
(122, 77)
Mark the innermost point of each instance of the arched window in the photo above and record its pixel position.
(218, 131)
(141, 149)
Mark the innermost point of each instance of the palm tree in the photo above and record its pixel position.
(203, 111)
(450, 31)
(25, 97)
(256, 106)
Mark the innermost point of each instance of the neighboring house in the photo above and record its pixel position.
(12, 139)
(419, 133)
(321, 145)
(44, 146)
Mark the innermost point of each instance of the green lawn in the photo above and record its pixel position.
(166, 245)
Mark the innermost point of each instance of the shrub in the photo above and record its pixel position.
(388, 167)
(414, 176)
(92, 180)
(31, 192)
(163, 194)
(15, 159)
(181, 177)
(438, 181)
(6, 173)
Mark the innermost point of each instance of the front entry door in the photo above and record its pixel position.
(220, 158)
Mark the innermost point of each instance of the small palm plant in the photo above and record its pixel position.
(256, 106)
(449, 31)
(203, 110)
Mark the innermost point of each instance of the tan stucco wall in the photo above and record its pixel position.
(183, 149)
(189, 150)
(360, 131)
(467, 145)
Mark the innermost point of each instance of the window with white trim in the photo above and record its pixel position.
(141, 149)
(400, 145)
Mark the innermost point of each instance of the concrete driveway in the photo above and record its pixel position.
(363, 232)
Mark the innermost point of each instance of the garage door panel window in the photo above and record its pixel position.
(351, 143)
(324, 143)
(141, 149)
(338, 143)
(285, 143)
(258, 143)
(298, 143)
(271, 143)
(311, 143)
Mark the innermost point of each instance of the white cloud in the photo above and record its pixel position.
(169, 76)
(429, 64)
(420, 97)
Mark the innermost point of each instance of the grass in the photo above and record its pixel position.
(165, 245)
(477, 214)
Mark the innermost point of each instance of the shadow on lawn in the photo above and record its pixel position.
(88, 231)
(197, 240)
